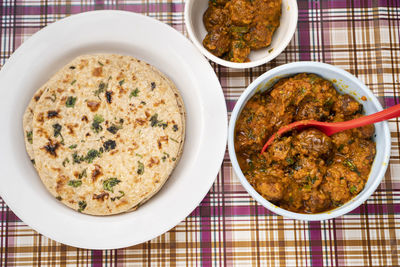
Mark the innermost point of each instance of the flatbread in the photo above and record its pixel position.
(108, 131)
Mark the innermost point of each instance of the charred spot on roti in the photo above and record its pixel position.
(96, 172)
(93, 105)
(72, 67)
(153, 86)
(120, 77)
(42, 132)
(70, 128)
(51, 148)
(140, 121)
(83, 64)
(38, 95)
(109, 96)
(52, 113)
(101, 196)
(97, 72)
(114, 152)
(153, 161)
(84, 118)
(159, 103)
(159, 144)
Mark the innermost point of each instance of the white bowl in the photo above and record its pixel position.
(194, 10)
(345, 83)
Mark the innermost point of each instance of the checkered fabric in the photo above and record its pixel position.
(229, 228)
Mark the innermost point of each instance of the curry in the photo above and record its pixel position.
(235, 27)
(304, 171)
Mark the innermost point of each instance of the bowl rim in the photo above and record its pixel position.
(277, 50)
(354, 202)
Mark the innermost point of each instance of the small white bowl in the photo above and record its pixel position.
(345, 83)
(194, 10)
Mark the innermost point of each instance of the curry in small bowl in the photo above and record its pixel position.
(304, 171)
(235, 27)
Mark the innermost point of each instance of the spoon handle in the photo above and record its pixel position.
(385, 114)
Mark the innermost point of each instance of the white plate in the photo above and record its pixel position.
(141, 37)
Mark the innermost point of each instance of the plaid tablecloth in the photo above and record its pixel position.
(230, 228)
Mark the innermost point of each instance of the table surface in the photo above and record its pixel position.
(229, 228)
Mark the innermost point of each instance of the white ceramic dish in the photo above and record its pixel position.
(346, 83)
(194, 10)
(125, 33)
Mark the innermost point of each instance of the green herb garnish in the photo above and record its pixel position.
(328, 103)
(250, 118)
(290, 161)
(176, 141)
(140, 169)
(349, 163)
(73, 82)
(76, 158)
(121, 82)
(29, 136)
(96, 127)
(353, 189)
(82, 174)
(101, 89)
(240, 29)
(53, 97)
(65, 161)
(311, 179)
(154, 120)
(91, 155)
(122, 193)
(57, 131)
(340, 148)
(110, 183)
(70, 103)
(75, 183)
(82, 205)
(134, 93)
(73, 146)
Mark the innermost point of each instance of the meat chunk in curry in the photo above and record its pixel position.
(304, 171)
(236, 26)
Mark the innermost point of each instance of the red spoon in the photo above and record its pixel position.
(330, 128)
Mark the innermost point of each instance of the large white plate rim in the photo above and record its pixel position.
(214, 130)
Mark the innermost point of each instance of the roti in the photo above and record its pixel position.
(107, 132)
